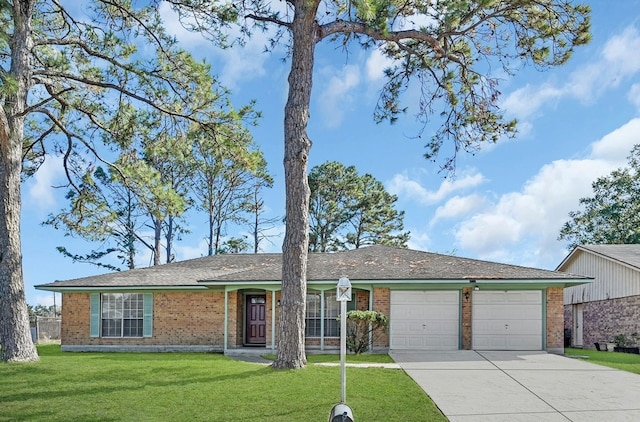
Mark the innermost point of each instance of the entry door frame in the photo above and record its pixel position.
(255, 319)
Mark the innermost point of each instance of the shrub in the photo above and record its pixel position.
(363, 326)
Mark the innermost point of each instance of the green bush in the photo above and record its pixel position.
(363, 326)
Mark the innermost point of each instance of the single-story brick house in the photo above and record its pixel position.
(609, 306)
(224, 302)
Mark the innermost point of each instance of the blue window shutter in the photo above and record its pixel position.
(94, 329)
(147, 315)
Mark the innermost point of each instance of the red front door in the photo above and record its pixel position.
(256, 319)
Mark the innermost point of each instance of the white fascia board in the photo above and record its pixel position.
(81, 289)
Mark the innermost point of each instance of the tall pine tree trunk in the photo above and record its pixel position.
(15, 334)
(291, 351)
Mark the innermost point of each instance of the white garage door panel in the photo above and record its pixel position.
(424, 320)
(513, 311)
(510, 320)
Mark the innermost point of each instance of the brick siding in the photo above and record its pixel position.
(555, 319)
(197, 319)
(202, 313)
(467, 333)
(604, 319)
(382, 303)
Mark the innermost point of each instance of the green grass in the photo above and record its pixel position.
(625, 361)
(364, 358)
(198, 387)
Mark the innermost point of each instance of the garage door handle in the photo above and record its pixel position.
(506, 326)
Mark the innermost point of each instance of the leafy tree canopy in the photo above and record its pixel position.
(612, 214)
(347, 210)
(72, 81)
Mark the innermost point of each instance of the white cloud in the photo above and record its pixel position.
(458, 207)
(237, 64)
(634, 95)
(419, 240)
(607, 71)
(530, 220)
(47, 300)
(616, 146)
(376, 64)
(526, 101)
(40, 189)
(184, 252)
(337, 97)
(616, 52)
(407, 189)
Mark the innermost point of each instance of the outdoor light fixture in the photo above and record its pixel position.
(343, 290)
(466, 295)
(475, 286)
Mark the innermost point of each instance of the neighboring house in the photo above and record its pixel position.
(224, 302)
(610, 305)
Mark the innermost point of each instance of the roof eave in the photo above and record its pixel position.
(83, 289)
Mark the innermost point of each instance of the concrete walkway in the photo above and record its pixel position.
(522, 386)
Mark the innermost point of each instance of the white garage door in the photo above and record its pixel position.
(507, 320)
(424, 320)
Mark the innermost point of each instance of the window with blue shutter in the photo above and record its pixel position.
(121, 315)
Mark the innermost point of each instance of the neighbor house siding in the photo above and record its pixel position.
(613, 279)
(604, 319)
(202, 313)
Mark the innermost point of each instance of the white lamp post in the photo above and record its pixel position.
(342, 412)
(343, 296)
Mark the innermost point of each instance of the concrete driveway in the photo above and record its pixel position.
(522, 386)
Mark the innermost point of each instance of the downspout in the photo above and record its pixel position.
(226, 319)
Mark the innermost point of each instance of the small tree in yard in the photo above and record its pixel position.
(364, 328)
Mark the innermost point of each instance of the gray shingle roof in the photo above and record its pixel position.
(377, 263)
(626, 254)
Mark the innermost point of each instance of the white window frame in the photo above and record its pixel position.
(113, 308)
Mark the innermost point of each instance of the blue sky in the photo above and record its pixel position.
(506, 203)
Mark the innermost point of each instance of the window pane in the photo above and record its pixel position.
(111, 328)
(331, 327)
(312, 327)
(132, 328)
(331, 305)
(122, 314)
(313, 304)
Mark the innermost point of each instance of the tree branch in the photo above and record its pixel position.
(106, 85)
(347, 27)
(270, 19)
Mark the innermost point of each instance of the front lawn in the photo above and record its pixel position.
(198, 387)
(350, 358)
(625, 361)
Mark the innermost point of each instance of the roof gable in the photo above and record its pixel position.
(627, 255)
